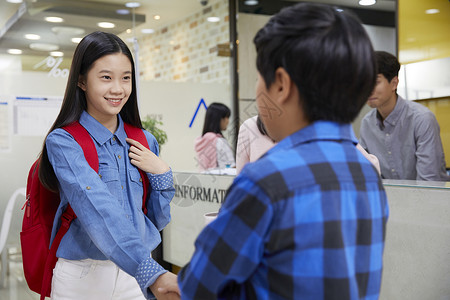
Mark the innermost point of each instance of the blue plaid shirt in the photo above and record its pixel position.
(306, 221)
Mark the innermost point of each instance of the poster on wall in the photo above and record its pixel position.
(34, 115)
(5, 123)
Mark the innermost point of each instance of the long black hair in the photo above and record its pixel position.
(214, 114)
(92, 47)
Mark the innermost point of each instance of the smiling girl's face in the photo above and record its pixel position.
(107, 86)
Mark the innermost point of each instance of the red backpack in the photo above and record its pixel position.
(38, 258)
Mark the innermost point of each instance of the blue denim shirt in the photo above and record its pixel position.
(110, 223)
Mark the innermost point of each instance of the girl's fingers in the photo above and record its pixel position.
(136, 150)
(134, 143)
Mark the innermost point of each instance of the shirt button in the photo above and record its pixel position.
(114, 139)
(387, 134)
(393, 170)
(119, 156)
(122, 187)
(88, 187)
(389, 152)
(140, 179)
(100, 175)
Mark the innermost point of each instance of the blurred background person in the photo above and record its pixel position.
(404, 135)
(212, 149)
(253, 142)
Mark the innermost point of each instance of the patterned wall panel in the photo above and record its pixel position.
(187, 51)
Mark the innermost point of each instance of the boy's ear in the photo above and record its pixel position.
(282, 84)
(81, 83)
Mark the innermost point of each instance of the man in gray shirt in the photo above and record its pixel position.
(403, 135)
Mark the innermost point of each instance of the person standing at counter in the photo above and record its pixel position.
(306, 220)
(213, 150)
(403, 135)
(252, 142)
(106, 253)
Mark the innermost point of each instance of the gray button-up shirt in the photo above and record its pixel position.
(407, 143)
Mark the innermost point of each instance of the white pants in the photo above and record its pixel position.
(90, 279)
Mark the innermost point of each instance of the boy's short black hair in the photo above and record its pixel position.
(387, 64)
(327, 54)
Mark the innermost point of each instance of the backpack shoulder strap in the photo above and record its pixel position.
(137, 134)
(81, 135)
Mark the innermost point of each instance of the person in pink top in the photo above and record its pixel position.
(212, 149)
(252, 143)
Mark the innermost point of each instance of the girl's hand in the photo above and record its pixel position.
(145, 159)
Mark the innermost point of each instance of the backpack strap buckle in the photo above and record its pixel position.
(67, 217)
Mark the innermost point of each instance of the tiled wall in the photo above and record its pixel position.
(186, 51)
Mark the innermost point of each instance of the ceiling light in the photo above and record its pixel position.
(44, 47)
(156, 17)
(106, 25)
(57, 53)
(122, 11)
(76, 40)
(14, 1)
(213, 19)
(14, 51)
(251, 2)
(147, 30)
(31, 36)
(67, 30)
(132, 4)
(54, 19)
(432, 11)
(367, 2)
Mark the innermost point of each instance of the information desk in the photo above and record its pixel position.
(417, 251)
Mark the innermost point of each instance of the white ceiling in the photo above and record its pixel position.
(28, 17)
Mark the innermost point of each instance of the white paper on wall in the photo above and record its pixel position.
(33, 116)
(5, 124)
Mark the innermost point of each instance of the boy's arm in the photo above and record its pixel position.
(231, 247)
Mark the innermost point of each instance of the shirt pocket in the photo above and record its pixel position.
(136, 186)
(112, 180)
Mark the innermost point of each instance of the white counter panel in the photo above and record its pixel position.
(195, 195)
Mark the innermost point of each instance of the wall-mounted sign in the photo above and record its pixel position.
(53, 64)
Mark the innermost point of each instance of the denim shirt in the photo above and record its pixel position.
(110, 223)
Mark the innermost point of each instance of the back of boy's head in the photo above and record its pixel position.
(387, 64)
(327, 54)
